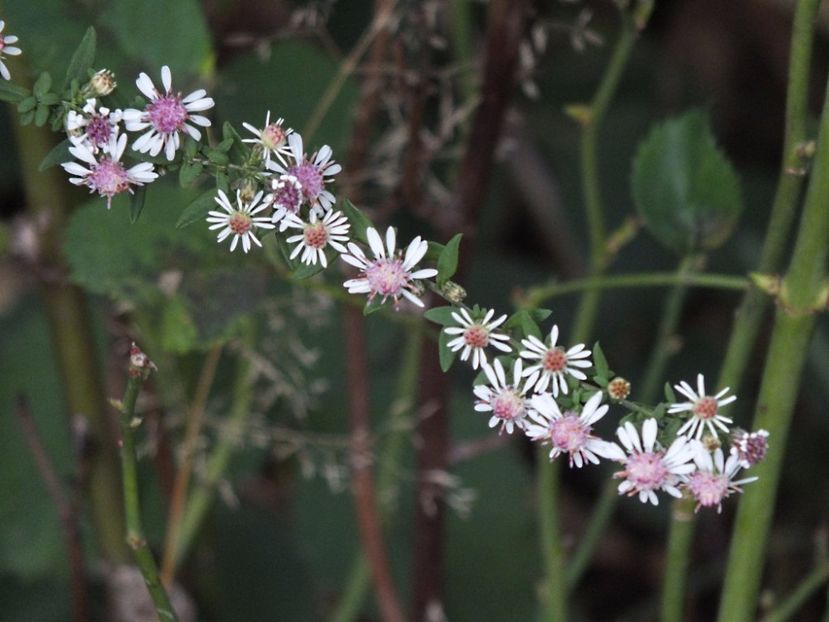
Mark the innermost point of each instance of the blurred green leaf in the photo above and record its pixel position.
(189, 172)
(600, 365)
(178, 332)
(162, 32)
(137, 200)
(82, 59)
(441, 315)
(524, 321)
(42, 84)
(59, 153)
(10, 92)
(447, 356)
(448, 260)
(685, 189)
(359, 221)
(27, 104)
(197, 209)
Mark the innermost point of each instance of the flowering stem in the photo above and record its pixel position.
(589, 540)
(549, 485)
(193, 425)
(807, 587)
(750, 312)
(132, 506)
(800, 299)
(357, 583)
(680, 537)
(536, 296)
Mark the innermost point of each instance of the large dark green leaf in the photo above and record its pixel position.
(82, 59)
(685, 189)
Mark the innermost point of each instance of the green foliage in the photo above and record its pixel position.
(602, 376)
(82, 59)
(447, 356)
(162, 32)
(685, 189)
(359, 221)
(525, 321)
(10, 92)
(197, 209)
(59, 153)
(441, 315)
(448, 260)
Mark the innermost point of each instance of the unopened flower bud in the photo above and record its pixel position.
(102, 83)
(140, 363)
(453, 292)
(711, 443)
(247, 190)
(618, 388)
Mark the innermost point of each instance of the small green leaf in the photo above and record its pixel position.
(372, 306)
(539, 315)
(446, 356)
(42, 84)
(82, 59)
(59, 153)
(10, 92)
(448, 260)
(441, 315)
(50, 99)
(137, 203)
(189, 172)
(178, 332)
(359, 221)
(27, 104)
(27, 117)
(197, 210)
(217, 157)
(685, 189)
(41, 115)
(434, 251)
(222, 181)
(238, 151)
(669, 393)
(600, 364)
(524, 321)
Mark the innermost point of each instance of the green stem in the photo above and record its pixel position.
(801, 594)
(793, 325)
(591, 188)
(549, 484)
(536, 296)
(201, 498)
(71, 334)
(548, 475)
(680, 538)
(359, 578)
(132, 506)
(588, 542)
(749, 315)
(664, 346)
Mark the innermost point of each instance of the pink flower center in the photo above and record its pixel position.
(569, 433)
(476, 336)
(287, 195)
(555, 359)
(645, 470)
(310, 178)
(167, 113)
(705, 408)
(2, 43)
(98, 130)
(387, 277)
(751, 448)
(273, 136)
(508, 405)
(240, 223)
(708, 488)
(109, 178)
(315, 235)
(618, 388)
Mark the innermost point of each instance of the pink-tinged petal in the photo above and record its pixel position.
(166, 78)
(375, 243)
(649, 430)
(391, 240)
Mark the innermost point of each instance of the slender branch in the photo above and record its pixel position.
(139, 368)
(365, 499)
(66, 512)
(813, 581)
(590, 539)
(680, 538)
(800, 294)
(537, 296)
(193, 426)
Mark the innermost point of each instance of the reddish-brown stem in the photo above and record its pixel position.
(66, 513)
(371, 534)
(505, 28)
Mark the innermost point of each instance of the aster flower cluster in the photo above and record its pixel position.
(544, 392)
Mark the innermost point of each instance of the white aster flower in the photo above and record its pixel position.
(317, 235)
(167, 116)
(749, 447)
(704, 409)
(93, 126)
(272, 138)
(391, 274)
(569, 431)
(475, 335)
(554, 363)
(504, 400)
(648, 467)
(240, 220)
(312, 173)
(104, 172)
(6, 47)
(714, 480)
